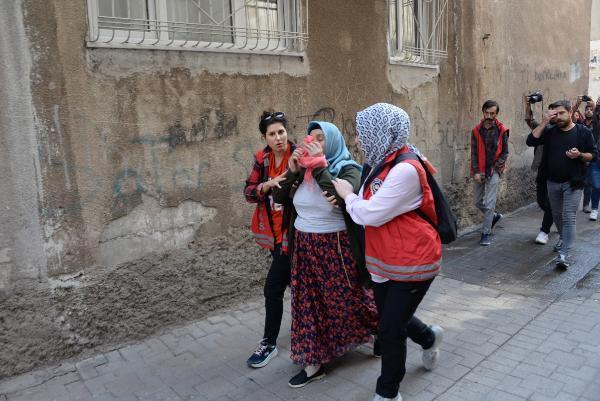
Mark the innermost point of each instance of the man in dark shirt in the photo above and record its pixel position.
(489, 151)
(567, 149)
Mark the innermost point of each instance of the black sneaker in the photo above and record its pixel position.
(496, 219)
(485, 240)
(302, 379)
(263, 354)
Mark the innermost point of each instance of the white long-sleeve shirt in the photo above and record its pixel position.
(400, 193)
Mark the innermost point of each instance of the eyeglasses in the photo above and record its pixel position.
(278, 115)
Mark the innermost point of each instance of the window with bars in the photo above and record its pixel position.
(257, 26)
(418, 31)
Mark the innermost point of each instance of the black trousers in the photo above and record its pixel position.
(544, 203)
(277, 280)
(396, 304)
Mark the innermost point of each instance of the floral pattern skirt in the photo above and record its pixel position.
(331, 312)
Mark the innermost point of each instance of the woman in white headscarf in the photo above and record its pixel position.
(403, 250)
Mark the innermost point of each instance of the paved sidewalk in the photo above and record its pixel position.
(499, 347)
(500, 344)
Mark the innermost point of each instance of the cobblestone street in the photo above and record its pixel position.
(500, 345)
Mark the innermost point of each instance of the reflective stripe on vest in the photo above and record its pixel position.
(403, 273)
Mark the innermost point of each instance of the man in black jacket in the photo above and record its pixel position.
(567, 149)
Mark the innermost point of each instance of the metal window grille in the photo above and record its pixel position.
(419, 31)
(258, 26)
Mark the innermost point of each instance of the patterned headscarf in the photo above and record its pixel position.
(381, 130)
(336, 152)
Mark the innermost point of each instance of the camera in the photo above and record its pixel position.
(535, 97)
(586, 98)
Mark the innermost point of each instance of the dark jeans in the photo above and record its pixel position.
(587, 189)
(396, 304)
(544, 203)
(595, 184)
(277, 280)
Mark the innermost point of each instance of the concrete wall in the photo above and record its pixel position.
(594, 89)
(23, 252)
(595, 34)
(135, 151)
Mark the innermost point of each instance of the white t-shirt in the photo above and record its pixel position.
(315, 214)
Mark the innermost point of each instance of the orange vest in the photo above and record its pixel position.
(406, 248)
(262, 226)
(481, 157)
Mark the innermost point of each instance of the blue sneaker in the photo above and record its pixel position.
(486, 239)
(263, 354)
(558, 246)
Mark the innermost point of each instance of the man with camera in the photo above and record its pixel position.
(540, 179)
(594, 168)
(489, 152)
(588, 121)
(567, 149)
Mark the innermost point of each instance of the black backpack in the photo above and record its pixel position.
(446, 226)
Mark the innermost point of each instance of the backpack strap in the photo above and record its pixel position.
(412, 156)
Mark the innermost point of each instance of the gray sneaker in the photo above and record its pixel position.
(380, 398)
(432, 355)
(563, 261)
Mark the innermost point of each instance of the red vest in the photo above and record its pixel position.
(481, 160)
(262, 226)
(406, 248)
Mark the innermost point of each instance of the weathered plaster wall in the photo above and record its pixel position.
(22, 250)
(121, 133)
(499, 54)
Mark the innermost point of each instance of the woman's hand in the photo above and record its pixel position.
(342, 187)
(314, 149)
(294, 162)
(330, 198)
(272, 183)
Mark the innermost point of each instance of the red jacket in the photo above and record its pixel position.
(481, 153)
(406, 248)
(262, 224)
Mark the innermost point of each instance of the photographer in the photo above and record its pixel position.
(489, 151)
(594, 168)
(587, 120)
(540, 179)
(567, 148)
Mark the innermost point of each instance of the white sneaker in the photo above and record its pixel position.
(594, 215)
(380, 398)
(586, 209)
(542, 238)
(432, 355)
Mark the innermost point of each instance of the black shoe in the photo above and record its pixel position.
(263, 354)
(486, 239)
(302, 379)
(496, 219)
